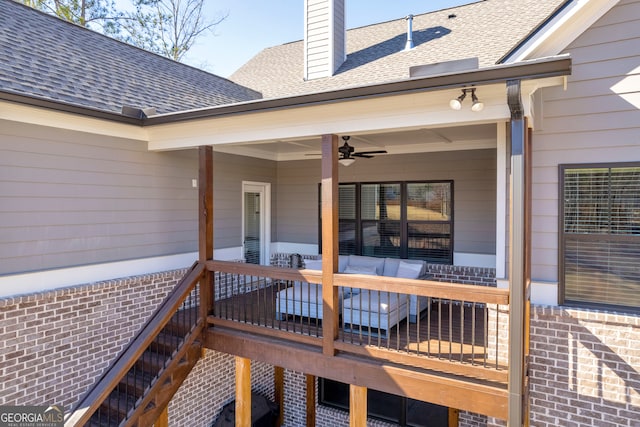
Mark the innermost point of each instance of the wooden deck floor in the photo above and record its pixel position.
(446, 331)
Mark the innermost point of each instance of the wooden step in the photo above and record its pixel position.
(136, 382)
(115, 408)
(166, 343)
(181, 322)
(151, 362)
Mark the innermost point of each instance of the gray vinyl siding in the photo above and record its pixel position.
(69, 198)
(473, 173)
(228, 173)
(297, 213)
(590, 122)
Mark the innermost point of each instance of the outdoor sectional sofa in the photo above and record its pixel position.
(361, 310)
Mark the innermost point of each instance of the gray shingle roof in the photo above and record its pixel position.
(486, 29)
(48, 58)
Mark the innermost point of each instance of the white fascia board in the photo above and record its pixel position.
(562, 30)
(11, 111)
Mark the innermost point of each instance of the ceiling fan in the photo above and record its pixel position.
(347, 152)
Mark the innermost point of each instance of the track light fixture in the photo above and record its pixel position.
(476, 104)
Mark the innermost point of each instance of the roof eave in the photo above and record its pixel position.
(64, 107)
(527, 70)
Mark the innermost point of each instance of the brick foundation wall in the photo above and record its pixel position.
(584, 368)
(482, 276)
(469, 419)
(55, 344)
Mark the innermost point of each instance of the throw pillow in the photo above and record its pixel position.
(408, 270)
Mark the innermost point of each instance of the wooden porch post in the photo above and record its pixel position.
(311, 400)
(329, 242)
(278, 391)
(243, 392)
(357, 406)
(205, 226)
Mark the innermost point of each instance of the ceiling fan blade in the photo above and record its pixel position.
(362, 155)
(373, 152)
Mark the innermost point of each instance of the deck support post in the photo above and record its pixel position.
(329, 212)
(278, 392)
(311, 400)
(163, 418)
(205, 225)
(517, 259)
(243, 392)
(357, 406)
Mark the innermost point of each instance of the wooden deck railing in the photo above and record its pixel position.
(446, 327)
(136, 375)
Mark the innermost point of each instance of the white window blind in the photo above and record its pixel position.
(601, 235)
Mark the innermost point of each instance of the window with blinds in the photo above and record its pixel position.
(600, 241)
(397, 220)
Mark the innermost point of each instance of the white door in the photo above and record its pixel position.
(256, 207)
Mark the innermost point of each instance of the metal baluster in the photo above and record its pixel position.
(408, 301)
(429, 302)
(439, 328)
(450, 327)
(473, 333)
(462, 307)
(379, 321)
(497, 334)
(486, 335)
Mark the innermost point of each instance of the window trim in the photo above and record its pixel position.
(562, 240)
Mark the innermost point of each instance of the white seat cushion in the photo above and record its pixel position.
(374, 301)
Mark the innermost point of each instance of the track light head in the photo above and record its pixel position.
(456, 103)
(476, 104)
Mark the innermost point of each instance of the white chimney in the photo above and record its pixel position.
(324, 37)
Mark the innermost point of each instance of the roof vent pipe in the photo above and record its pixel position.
(409, 44)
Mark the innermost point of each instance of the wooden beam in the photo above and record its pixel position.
(357, 406)
(329, 212)
(205, 225)
(467, 394)
(163, 419)
(311, 400)
(278, 391)
(243, 392)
